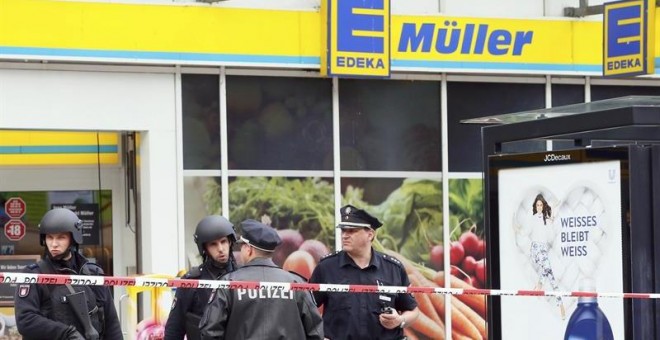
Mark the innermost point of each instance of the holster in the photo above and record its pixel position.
(192, 326)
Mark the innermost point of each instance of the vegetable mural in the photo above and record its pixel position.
(303, 212)
(413, 232)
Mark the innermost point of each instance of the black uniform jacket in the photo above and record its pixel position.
(32, 307)
(191, 300)
(355, 315)
(261, 314)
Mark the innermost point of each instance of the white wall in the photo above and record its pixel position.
(493, 9)
(398, 6)
(110, 101)
(555, 8)
(470, 8)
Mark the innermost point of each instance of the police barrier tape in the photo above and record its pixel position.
(85, 280)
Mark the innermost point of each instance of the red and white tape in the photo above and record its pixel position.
(84, 280)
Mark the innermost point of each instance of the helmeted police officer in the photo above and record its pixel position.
(49, 311)
(267, 313)
(214, 237)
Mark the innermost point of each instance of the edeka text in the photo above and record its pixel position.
(467, 39)
(360, 62)
(624, 64)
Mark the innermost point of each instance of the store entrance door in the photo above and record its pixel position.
(85, 172)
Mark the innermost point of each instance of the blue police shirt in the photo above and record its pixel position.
(355, 315)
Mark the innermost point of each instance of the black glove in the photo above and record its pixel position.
(72, 334)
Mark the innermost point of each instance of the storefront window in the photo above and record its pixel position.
(93, 207)
(201, 121)
(279, 123)
(301, 209)
(201, 197)
(466, 220)
(563, 94)
(472, 100)
(607, 92)
(390, 125)
(410, 210)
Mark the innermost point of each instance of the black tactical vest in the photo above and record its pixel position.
(61, 311)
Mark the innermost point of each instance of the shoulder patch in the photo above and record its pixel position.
(32, 266)
(392, 259)
(173, 304)
(327, 256)
(23, 290)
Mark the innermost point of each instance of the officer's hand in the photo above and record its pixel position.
(390, 320)
(72, 334)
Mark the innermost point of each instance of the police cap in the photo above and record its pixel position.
(352, 217)
(259, 235)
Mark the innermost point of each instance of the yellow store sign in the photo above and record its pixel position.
(627, 39)
(343, 40)
(58, 147)
(358, 38)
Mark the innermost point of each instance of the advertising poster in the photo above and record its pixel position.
(560, 230)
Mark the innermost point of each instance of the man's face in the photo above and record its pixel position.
(354, 239)
(218, 249)
(58, 243)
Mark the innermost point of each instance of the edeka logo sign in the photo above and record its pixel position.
(358, 38)
(627, 39)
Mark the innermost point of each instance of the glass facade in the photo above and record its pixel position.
(389, 125)
(279, 123)
(284, 131)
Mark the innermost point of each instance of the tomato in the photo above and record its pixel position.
(291, 241)
(316, 248)
(301, 263)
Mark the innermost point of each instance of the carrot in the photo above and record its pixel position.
(437, 301)
(476, 302)
(428, 327)
(456, 335)
(476, 320)
(426, 307)
(424, 301)
(463, 325)
(409, 334)
(458, 318)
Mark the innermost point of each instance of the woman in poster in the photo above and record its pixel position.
(542, 220)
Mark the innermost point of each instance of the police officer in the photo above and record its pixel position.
(47, 311)
(362, 315)
(215, 237)
(266, 313)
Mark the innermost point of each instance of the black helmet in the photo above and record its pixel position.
(212, 228)
(60, 220)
